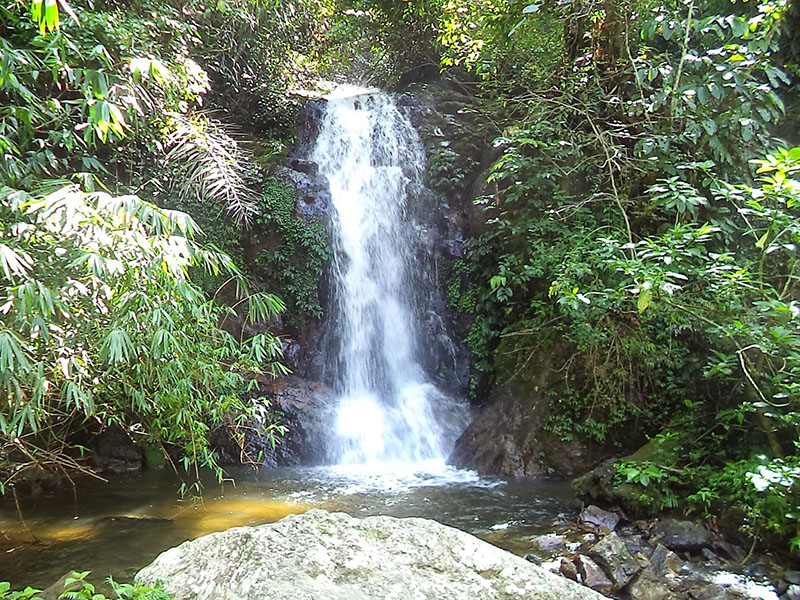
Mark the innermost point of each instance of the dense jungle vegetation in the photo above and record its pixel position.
(640, 240)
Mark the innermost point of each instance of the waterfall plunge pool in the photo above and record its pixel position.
(394, 425)
(118, 527)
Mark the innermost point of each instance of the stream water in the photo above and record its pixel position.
(394, 426)
(118, 527)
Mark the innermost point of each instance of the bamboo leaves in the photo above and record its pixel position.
(45, 14)
(14, 264)
(99, 318)
(117, 348)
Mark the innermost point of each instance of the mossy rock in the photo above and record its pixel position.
(662, 449)
(598, 485)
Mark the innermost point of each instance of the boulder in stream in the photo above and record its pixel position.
(597, 517)
(682, 535)
(591, 575)
(337, 557)
(613, 556)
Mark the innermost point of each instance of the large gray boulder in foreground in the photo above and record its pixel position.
(331, 556)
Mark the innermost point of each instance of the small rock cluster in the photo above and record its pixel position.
(667, 559)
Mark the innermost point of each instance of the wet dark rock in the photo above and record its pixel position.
(309, 167)
(731, 551)
(792, 577)
(591, 575)
(305, 408)
(708, 592)
(313, 199)
(598, 485)
(454, 147)
(682, 535)
(502, 439)
(597, 517)
(758, 568)
(704, 584)
(664, 562)
(613, 557)
(115, 452)
(36, 481)
(508, 438)
(712, 558)
(700, 589)
(114, 442)
(130, 519)
(292, 354)
(658, 573)
(659, 578)
(308, 121)
(636, 544)
(650, 587)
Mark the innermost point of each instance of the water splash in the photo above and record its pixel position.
(389, 411)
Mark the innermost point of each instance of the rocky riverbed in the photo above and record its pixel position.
(665, 559)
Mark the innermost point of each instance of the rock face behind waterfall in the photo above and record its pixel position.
(337, 557)
(508, 438)
(445, 216)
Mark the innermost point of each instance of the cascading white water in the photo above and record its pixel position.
(388, 409)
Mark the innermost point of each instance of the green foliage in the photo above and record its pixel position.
(448, 171)
(744, 300)
(280, 250)
(592, 174)
(291, 252)
(461, 295)
(628, 252)
(78, 588)
(764, 490)
(28, 593)
(380, 42)
(71, 97)
(106, 303)
(256, 53)
(100, 324)
(642, 473)
(723, 87)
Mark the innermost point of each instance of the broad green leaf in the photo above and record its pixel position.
(643, 300)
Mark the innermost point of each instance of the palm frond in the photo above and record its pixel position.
(209, 164)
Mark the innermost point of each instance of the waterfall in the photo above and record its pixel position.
(388, 409)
